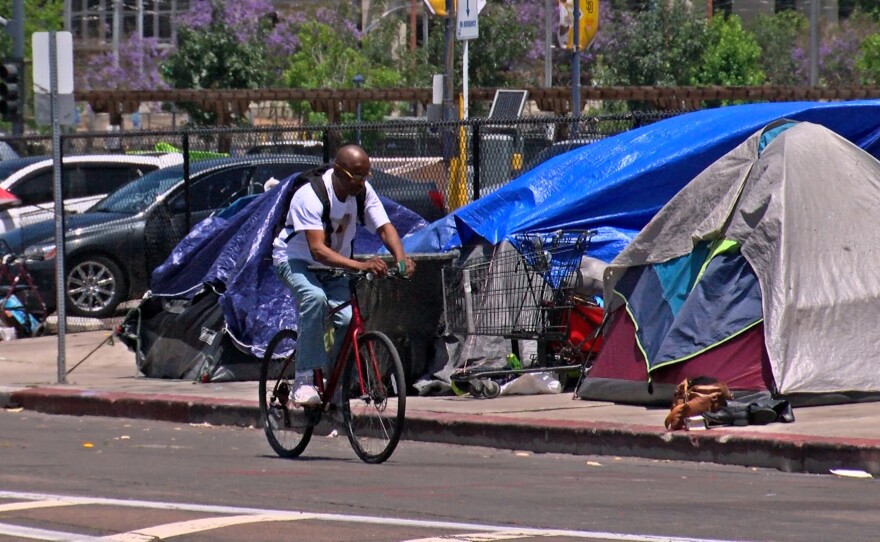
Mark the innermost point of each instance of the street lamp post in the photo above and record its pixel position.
(358, 81)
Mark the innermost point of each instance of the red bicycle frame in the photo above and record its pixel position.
(355, 328)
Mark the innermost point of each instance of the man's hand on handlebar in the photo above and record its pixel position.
(375, 266)
(409, 267)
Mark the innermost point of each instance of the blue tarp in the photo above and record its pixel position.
(235, 255)
(614, 186)
(617, 184)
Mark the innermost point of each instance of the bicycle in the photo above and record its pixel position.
(373, 390)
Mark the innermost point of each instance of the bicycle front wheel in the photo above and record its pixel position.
(374, 398)
(288, 427)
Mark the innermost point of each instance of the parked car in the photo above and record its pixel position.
(8, 167)
(85, 180)
(419, 196)
(113, 248)
(307, 147)
(560, 147)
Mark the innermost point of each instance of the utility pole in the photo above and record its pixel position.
(449, 61)
(548, 43)
(412, 25)
(814, 43)
(576, 68)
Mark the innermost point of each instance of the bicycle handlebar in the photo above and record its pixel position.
(393, 273)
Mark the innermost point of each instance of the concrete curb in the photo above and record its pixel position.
(789, 453)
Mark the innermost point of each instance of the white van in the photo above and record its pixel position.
(85, 180)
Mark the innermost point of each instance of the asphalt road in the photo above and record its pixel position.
(137, 480)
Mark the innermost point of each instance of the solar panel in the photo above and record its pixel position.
(508, 104)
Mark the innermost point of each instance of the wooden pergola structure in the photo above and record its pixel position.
(555, 99)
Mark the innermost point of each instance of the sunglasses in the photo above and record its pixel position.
(354, 177)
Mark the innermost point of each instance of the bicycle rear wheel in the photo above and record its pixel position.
(288, 427)
(373, 406)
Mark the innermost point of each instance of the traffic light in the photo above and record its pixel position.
(10, 91)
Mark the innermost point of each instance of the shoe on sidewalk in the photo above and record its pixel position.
(304, 392)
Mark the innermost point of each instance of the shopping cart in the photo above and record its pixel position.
(524, 292)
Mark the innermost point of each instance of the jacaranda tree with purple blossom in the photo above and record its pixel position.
(222, 45)
(838, 50)
(137, 67)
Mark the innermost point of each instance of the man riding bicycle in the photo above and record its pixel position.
(319, 231)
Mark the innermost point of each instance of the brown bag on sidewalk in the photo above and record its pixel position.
(693, 397)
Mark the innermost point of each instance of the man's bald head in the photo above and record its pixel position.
(354, 159)
(351, 169)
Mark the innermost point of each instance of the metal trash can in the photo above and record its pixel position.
(410, 312)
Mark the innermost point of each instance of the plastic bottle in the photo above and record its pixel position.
(513, 361)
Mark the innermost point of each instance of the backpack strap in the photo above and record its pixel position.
(321, 191)
(304, 178)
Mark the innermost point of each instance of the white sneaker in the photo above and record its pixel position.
(304, 393)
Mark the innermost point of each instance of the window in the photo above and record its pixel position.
(279, 171)
(214, 191)
(36, 188)
(106, 178)
(92, 20)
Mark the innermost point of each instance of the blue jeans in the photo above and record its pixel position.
(315, 293)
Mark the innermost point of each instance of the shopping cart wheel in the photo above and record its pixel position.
(475, 387)
(491, 389)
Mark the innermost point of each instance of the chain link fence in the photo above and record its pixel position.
(131, 197)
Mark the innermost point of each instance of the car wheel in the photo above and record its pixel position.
(95, 286)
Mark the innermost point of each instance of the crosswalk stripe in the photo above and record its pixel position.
(30, 505)
(180, 528)
(18, 532)
(345, 518)
(484, 537)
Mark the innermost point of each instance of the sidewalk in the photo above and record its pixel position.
(106, 384)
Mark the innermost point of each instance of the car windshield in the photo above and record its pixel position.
(139, 194)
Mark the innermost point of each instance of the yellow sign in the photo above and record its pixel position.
(438, 7)
(588, 19)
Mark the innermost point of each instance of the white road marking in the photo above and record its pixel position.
(482, 537)
(284, 515)
(180, 528)
(29, 533)
(30, 505)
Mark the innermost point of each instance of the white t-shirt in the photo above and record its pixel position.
(305, 212)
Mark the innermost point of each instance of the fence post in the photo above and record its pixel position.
(186, 210)
(325, 143)
(475, 144)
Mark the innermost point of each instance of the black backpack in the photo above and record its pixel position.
(314, 177)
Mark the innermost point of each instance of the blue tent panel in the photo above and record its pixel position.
(622, 181)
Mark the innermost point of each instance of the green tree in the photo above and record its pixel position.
(661, 46)
(731, 58)
(839, 47)
(777, 35)
(868, 61)
(327, 58)
(214, 58)
(39, 16)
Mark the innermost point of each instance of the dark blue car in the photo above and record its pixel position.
(112, 248)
